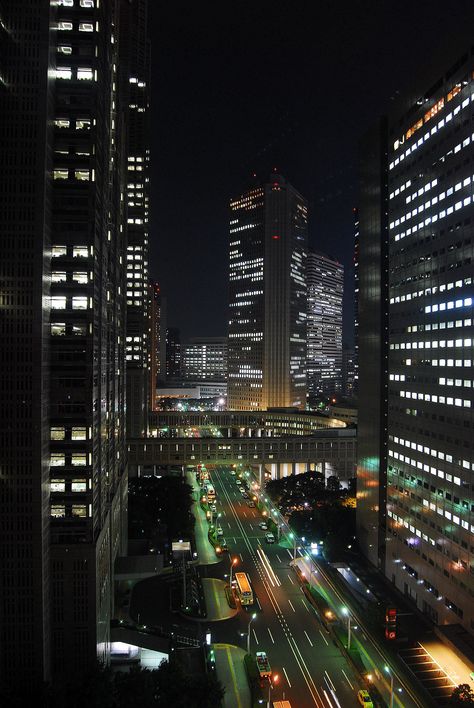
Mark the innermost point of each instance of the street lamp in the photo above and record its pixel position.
(387, 669)
(253, 617)
(275, 679)
(345, 611)
(233, 562)
(293, 537)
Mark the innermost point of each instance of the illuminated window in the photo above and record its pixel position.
(79, 485)
(58, 276)
(79, 277)
(65, 49)
(79, 302)
(57, 459)
(62, 123)
(57, 485)
(58, 511)
(78, 433)
(65, 26)
(85, 74)
(79, 511)
(63, 72)
(80, 252)
(86, 27)
(57, 251)
(61, 173)
(58, 302)
(82, 175)
(58, 329)
(66, 3)
(57, 433)
(79, 459)
(86, 3)
(79, 330)
(83, 124)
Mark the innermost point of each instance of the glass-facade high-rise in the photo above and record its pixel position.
(63, 500)
(267, 298)
(429, 500)
(325, 281)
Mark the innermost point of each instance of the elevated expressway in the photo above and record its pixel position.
(279, 442)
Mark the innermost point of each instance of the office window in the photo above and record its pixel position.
(57, 459)
(57, 251)
(78, 433)
(57, 485)
(79, 330)
(79, 510)
(58, 302)
(79, 302)
(61, 173)
(85, 74)
(79, 459)
(86, 27)
(82, 175)
(83, 124)
(58, 329)
(58, 511)
(80, 252)
(78, 485)
(79, 277)
(58, 276)
(57, 433)
(62, 123)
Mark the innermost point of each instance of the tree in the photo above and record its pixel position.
(462, 696)
(333, 484)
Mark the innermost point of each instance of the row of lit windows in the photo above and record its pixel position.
(431, 291)
(435, 199)
(435, 217)
(445, 400)
(424, 138)
(77, 485)
(77, 511)
(76, 432)
(82, 73)
(76, 277)
(81, 175)
(60, 329)
(70, 3)
(79, 123)
(416, 464)
(433, 344)
(77, 251)
(78, 459)
(67, 26)
(77, 302)
(448, 324)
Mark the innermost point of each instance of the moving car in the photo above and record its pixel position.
(212, 507)
(219, 531)
(244, 494)
(365, 699)
(269, 538)
(263, 665)
(263, 525)
(251, 504)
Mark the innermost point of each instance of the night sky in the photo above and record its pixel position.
(240, 87)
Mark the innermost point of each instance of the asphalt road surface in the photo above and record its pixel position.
(311, 669)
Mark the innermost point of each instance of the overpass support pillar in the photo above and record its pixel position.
(260, 475)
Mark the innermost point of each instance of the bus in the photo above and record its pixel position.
(244, 589)
(211, 493)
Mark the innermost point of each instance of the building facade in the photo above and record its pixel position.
(154, 341)
(63, 515)
(325, 280)
(173, 353)
(136, 62)
(267, 298)
(205, 358)
(429, 504)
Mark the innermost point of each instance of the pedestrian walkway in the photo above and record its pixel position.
(205, 551)
(216, 600)
(457, 670)
(231, 673)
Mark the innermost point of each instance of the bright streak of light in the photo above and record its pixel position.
(286, 676)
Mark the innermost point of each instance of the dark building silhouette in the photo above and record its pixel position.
(64, 110)
(173, 352)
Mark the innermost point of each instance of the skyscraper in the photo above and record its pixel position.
(205, 358)
(267, 298)
(173, 352)
(63, 499)
(154, 340)
(325, 280)
(136, 61)
(428, 498)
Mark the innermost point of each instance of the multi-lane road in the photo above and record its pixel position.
(311, 669)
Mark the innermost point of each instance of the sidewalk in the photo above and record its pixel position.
(231, 673)
(216, 601)
(205, 551)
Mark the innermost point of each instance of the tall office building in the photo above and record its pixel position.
(349, 374)
(267, 298)
(173, 352)
(154, 340)
(325, 280)
(136, 54)
(428, 501)
(356, 302)
(63, 495)
(205, 358)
